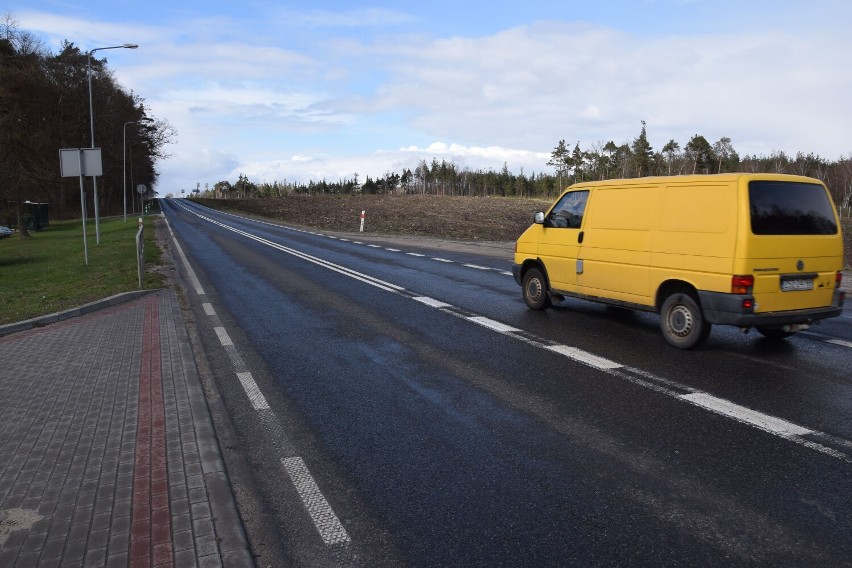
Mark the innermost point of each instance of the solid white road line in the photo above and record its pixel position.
(765, 422)
(193, 279)
(318, 508)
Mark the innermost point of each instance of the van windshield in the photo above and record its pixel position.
(790, 208)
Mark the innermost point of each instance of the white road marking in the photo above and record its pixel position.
(585, 357)
(224, 338)
(193, 279)
(476, 266)
(776, 426)
(329, 526)
(318, 508)
(840, 342)
(255, 396)
(431, 302)
(414, 254)
(391, 250)
(442, 260)
(494, 325)
(760, 420)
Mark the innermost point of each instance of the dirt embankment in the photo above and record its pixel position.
(477, 219)
(464, 218)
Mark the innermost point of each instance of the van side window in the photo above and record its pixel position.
(790, 208)
(568, 213)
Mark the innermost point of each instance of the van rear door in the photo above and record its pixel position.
(795, 248)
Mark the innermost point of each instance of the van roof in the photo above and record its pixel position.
(697, 178)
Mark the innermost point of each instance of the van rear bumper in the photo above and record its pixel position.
(726, 309)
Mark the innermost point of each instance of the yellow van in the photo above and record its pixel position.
(748, 250)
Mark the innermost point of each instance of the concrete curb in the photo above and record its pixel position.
(48, 319)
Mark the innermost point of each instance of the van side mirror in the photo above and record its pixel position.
(539, 218)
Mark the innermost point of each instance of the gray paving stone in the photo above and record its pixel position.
(68, 427)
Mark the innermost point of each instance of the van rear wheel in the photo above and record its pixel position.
(682, 322)
(535, 290)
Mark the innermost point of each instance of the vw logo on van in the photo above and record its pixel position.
(800, 265)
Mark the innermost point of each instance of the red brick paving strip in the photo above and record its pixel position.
(150, 529)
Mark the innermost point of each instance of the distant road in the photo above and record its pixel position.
(399, 405)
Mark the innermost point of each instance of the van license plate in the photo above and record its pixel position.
(796, 284)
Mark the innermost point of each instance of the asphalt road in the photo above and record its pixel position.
(394, 403)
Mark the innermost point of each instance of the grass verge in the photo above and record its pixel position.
(47, 273)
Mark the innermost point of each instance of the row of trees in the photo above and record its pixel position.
(597, 162)
(44, 107)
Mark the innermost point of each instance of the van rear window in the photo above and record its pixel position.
(790, 208)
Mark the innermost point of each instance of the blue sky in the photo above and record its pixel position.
(283, 91)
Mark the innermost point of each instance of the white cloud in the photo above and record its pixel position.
(253, 99)
(353, 18)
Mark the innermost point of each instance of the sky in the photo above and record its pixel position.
(292, 92)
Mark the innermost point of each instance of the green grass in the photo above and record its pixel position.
(47, 273)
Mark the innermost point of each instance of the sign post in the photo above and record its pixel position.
(141, 189)
(79, 162)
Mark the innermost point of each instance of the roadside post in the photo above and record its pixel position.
(141, 189)
(81, 162)
(140, 251)
(363, 216)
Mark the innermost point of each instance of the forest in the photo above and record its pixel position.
(44, 107)
(567, 166)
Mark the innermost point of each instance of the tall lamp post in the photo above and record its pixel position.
(92, 124)
(124, 148)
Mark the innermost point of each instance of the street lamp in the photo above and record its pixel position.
(92, 124)
(124, 148)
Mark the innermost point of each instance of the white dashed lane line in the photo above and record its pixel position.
(325, 521)
(812, 439)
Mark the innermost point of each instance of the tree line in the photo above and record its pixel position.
(598, 161)
(44, 107)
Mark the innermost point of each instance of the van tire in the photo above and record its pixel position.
(682, 322)
(535, 290)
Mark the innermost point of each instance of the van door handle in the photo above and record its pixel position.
(580, 238)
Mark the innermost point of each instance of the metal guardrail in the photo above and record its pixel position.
(140, 250)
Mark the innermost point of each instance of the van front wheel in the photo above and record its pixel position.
(535, 290)
(682, 322)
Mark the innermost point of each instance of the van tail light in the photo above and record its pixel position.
(838, 279)
(742, 284)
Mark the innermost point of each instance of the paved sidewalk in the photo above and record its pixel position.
(108, 455)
